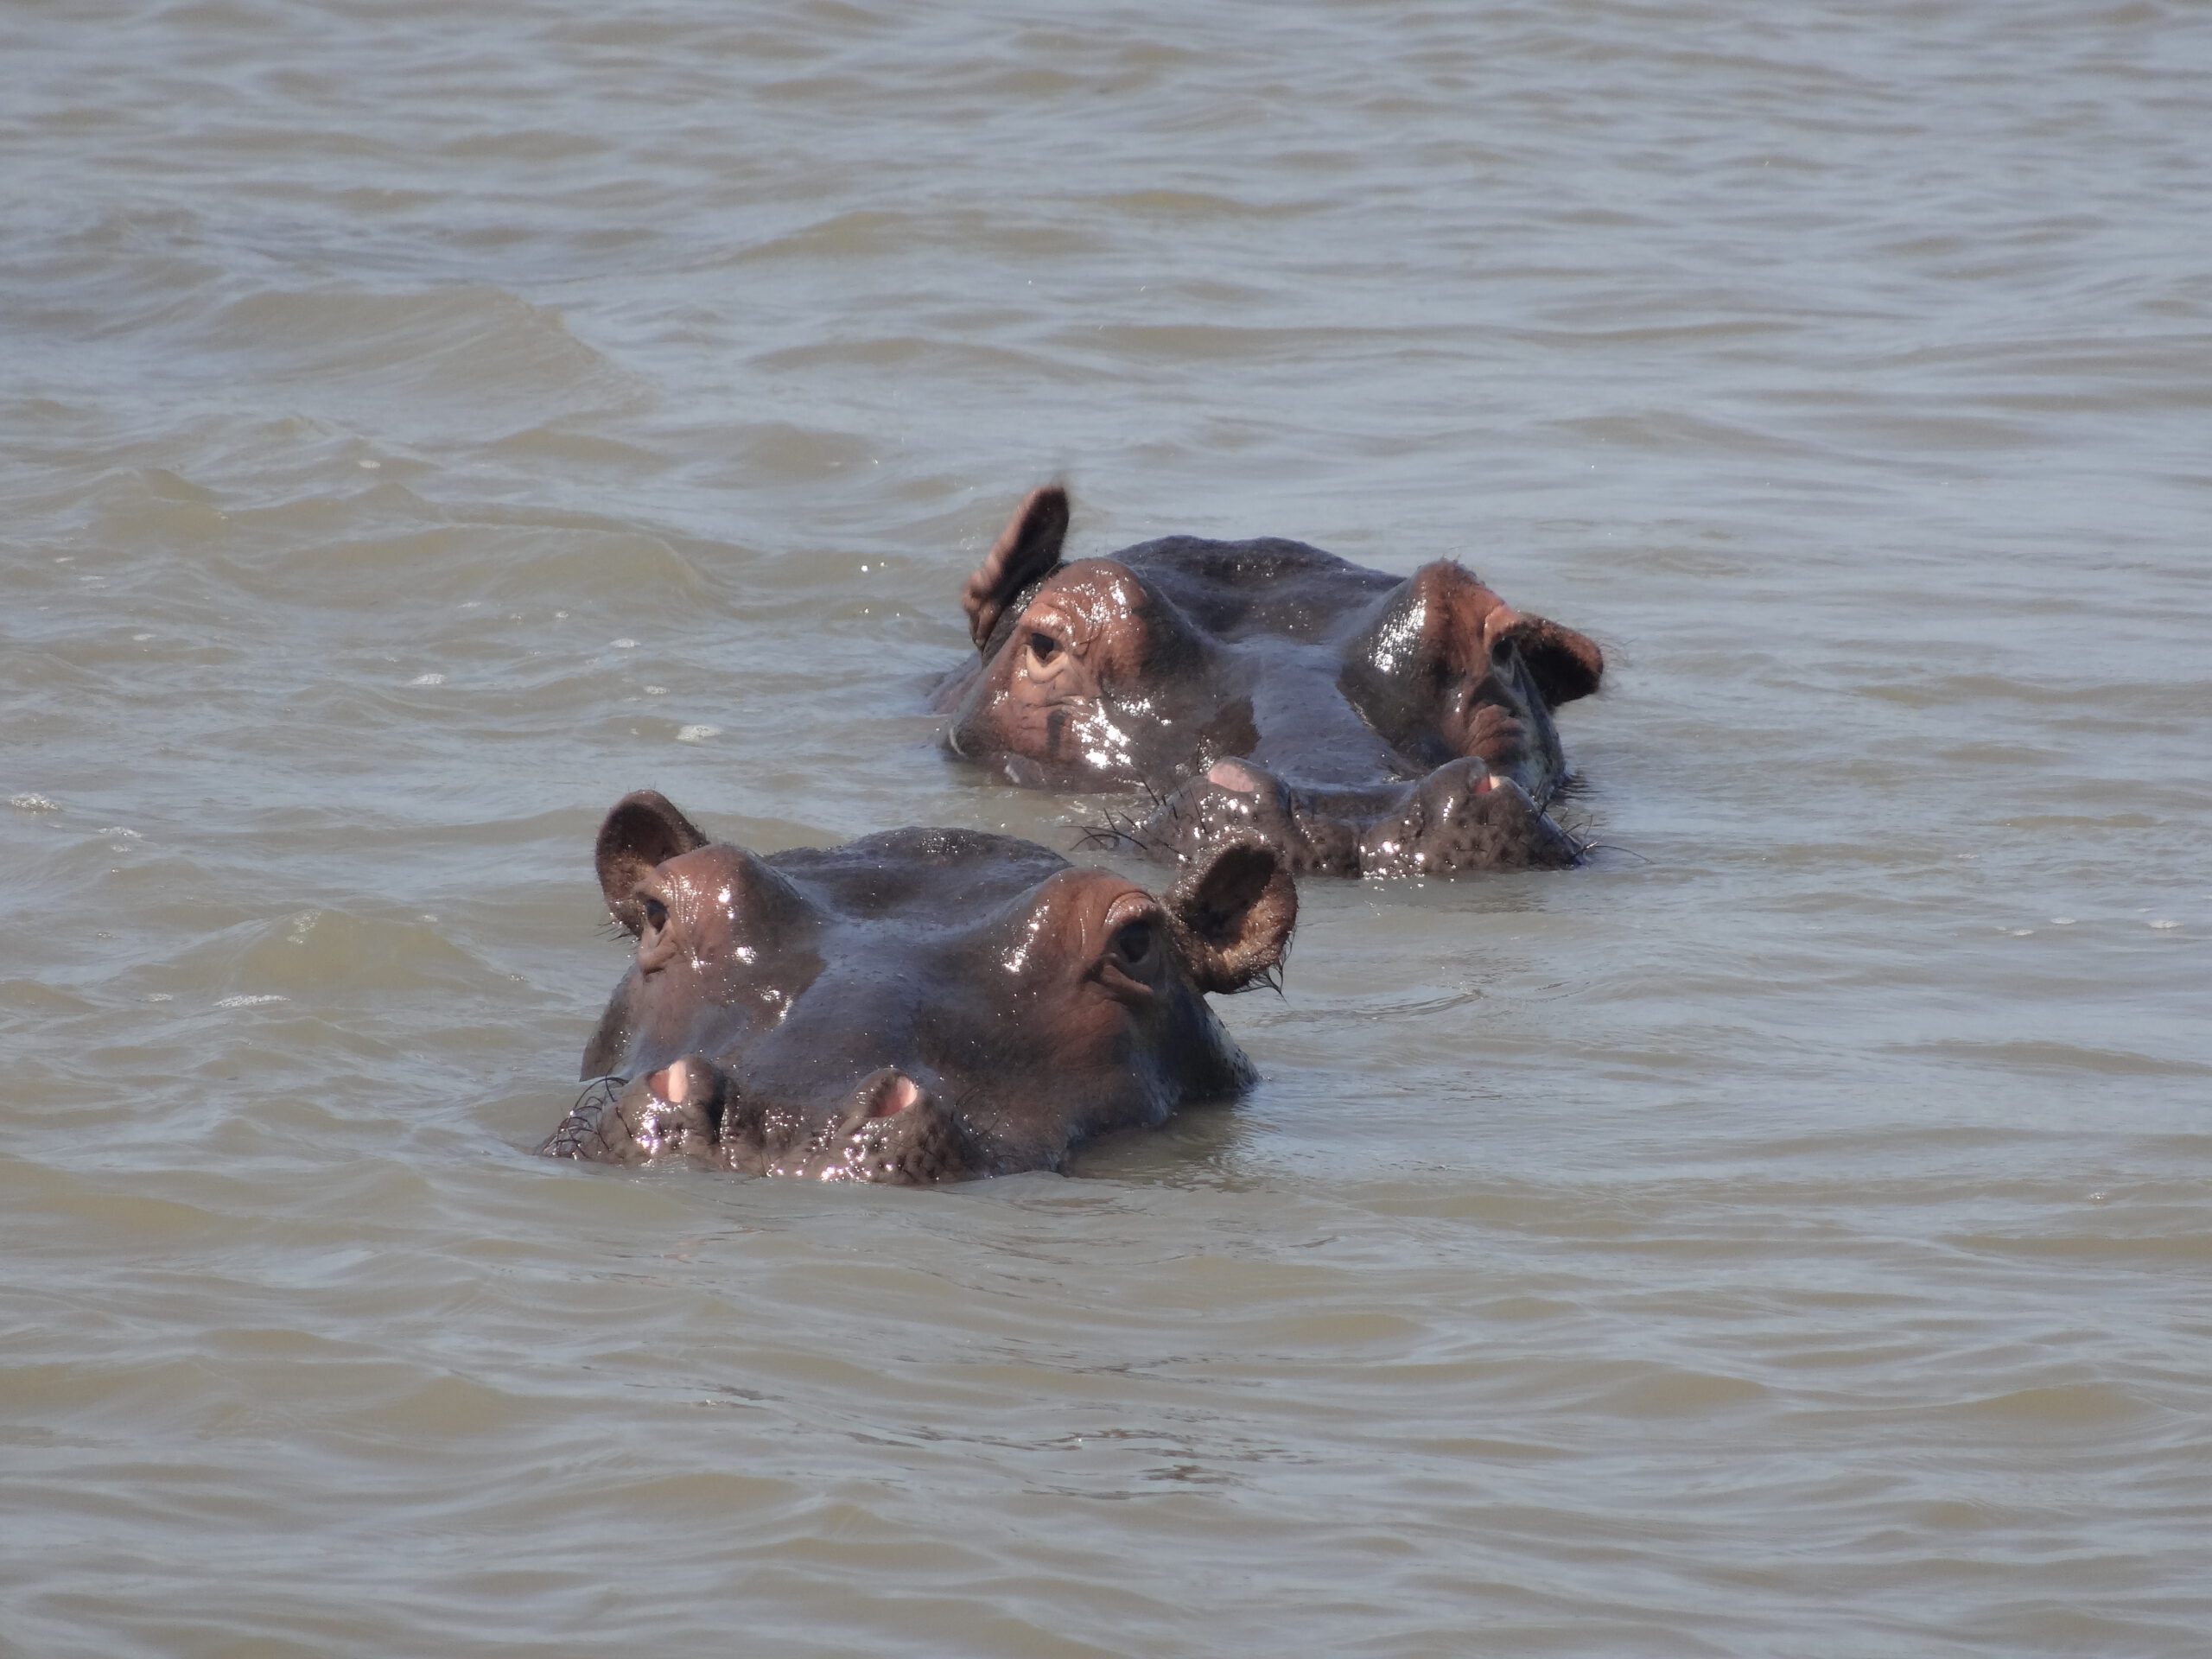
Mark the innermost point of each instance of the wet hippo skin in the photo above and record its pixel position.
(921, 1006)
(1358, 722)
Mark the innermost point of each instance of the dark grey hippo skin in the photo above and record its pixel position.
(1358, 722)
(921, 1006)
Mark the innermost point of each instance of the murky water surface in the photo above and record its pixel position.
(423, 424)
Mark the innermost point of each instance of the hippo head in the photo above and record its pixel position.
(921, 1006)
(1356, 722)
(1090, 676)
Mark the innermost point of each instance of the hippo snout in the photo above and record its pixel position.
(891, 1130)
(674, 1112)
(1461, 817)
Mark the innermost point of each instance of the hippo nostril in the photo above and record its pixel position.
(687, 1081)
(894, 1094)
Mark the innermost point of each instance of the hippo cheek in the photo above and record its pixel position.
(1035, 741)
(1002, 716)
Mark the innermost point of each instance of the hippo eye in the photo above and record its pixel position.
(1043, 647)
(1133, 945)
(656, 914)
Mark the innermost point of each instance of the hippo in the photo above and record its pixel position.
(917, 1007)
(1358, 723)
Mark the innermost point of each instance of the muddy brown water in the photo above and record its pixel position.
(1792, 1234)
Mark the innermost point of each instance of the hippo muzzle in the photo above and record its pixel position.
(891, 1131)
(1461, 818)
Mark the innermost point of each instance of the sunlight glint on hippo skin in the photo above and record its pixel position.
(1358, 722)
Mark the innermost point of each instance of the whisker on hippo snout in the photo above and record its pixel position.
(1115, 831)
(572, 1136)
(608, 1090)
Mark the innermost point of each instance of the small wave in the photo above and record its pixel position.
(479, 347)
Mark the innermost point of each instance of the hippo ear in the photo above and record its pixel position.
(1234, 913)
(1565, 665)
(642, 831)
(1441, 628)
(1028, 547)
